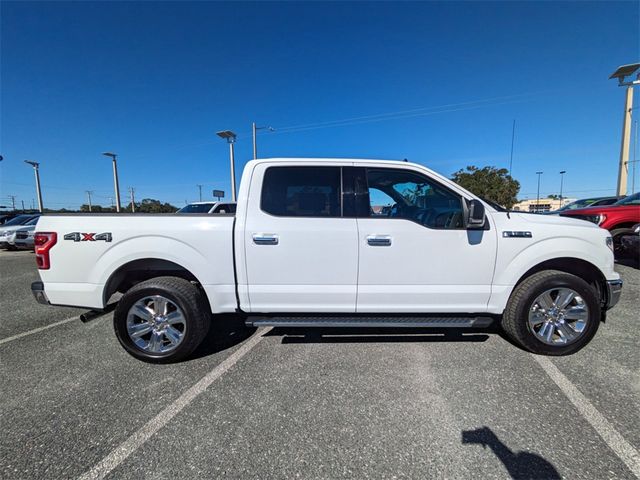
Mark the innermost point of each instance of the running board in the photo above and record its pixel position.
(375, 321)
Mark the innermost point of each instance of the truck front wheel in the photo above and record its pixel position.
(552, 313)
(162, 320)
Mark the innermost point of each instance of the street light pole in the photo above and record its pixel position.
(623, 166)
(230, 137)
(538, 195)
(561, 181)
(199, 191)
(116, 185)
(36, 169)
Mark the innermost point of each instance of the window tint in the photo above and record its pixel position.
(225, 208)
(301, 191)
(409, 195)
(196, 208)
(630, 200)
(19, 220)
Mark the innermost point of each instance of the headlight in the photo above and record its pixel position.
(609, 242)
(597, 219)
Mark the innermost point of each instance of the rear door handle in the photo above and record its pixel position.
(379, 240)
(265, 239)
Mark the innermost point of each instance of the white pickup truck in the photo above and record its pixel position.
(334, 242)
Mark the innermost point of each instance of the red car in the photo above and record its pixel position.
(618, 218)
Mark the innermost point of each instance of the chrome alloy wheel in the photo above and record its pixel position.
(558, 317)
(155, 324)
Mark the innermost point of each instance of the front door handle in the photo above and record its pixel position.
(379, 240)
(265, 239)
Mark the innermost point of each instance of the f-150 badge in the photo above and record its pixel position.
(88, 237)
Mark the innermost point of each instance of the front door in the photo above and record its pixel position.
(415, 254)
(301, 253)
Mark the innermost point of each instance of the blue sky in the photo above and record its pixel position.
(153, 81)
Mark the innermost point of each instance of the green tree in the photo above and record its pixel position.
(489, 182)
(97, 209)
(150, 205)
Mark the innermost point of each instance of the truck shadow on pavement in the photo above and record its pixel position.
(377, 335)
(629, 262)
(520, 465)
(226, 331)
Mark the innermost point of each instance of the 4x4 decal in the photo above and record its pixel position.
(88, 237)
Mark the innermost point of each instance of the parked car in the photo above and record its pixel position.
(618, 218)
(630, 243)
(24, 238)
(5, 217)
(586, 202)
(209, 207)
(305, 249)
(8, 230)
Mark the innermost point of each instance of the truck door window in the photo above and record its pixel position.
(301, 191)
(397, 193)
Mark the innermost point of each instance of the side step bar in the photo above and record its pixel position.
(375, 321)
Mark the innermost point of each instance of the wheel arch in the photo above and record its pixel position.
(622, 225)
(139, 270)
(574, 266)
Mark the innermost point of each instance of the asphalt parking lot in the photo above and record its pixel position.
(311, 404)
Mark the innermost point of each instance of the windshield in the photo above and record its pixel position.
(630, 200)
(577, 204)
(196, 208)
(19, 220)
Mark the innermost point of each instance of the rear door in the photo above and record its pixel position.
(301, 252)
(415, 254)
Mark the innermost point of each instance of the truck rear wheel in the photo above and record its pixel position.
(162, 320)
(552, 313)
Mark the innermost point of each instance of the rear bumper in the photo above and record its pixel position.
(614, 289)
(37, 288)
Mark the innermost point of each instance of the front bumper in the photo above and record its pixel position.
(614, 289)
(37, 288)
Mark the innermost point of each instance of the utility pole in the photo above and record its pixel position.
(513, 136)
(199, 191)
(255, 146)
(255, 134)
(116, 185)
(538, 195)
(36, 169)
(562, 172)
(133, 200)
(13, 201)
(22, 205)
(623, 166)
(89, 192)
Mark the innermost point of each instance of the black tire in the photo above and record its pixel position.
(187, 296)
(617, 235)
(515, 320)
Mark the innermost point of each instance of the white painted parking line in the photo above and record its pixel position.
(36, 330)
(623, 449)
(135, 441)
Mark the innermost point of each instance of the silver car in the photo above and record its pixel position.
(23, 238)
(8, 230)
